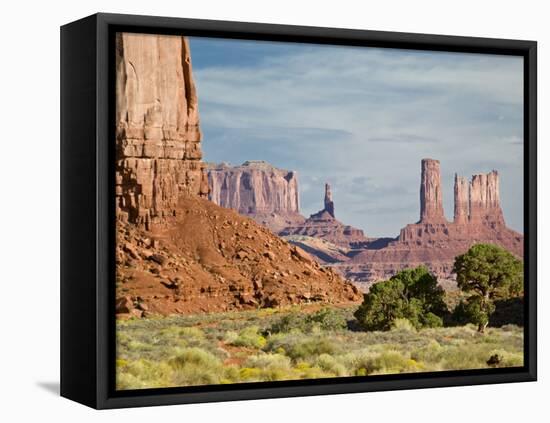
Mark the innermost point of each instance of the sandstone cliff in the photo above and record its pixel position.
(258, 190)
(158, 154)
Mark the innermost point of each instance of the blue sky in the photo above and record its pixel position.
(362, 119)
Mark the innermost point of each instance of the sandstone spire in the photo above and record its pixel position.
(431, 200)
(493, 194)
(462, 200)
(329, 204)
(485, 199)
(157, 127)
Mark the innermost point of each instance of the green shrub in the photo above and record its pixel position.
(327, 319)
(298, 346)
(411, 294)
(142, 374)
(310, 348)
(230, 337)
(194, 366)
(392, 362)
(331, 365)
(267, 367)
(249, 337)
(290, 322)
(267, 361)
(474, 310)
(431, 320)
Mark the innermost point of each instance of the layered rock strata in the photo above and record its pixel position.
(258, 190)
(158, 153)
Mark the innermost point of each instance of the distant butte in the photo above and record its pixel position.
(434, 241)
(270, 196)
(257, 190)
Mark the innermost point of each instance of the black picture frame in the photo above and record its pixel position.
(87, 210)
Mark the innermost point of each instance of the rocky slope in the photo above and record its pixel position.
(258, 190)
(209, 258)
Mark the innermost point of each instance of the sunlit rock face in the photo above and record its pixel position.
(158, 138)
(258, 190)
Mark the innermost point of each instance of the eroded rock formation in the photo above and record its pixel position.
(485, 199)
(431, 199)
(324, 225)
(258, 190)
(329, 204)
(462, 200)
(158, 154)
(433, 241)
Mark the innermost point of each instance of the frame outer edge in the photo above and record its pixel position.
(103, 242)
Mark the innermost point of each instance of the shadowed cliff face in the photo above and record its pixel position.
(158, 153)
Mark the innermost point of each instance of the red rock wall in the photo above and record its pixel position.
(157, 127)
(485, 199)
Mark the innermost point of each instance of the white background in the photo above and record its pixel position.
(29, 239)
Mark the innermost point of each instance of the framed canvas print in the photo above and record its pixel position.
(257, 211)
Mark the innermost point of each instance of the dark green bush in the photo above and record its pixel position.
(473, 311)
(487, 272)
(431, 320)
(325, 319)
(412, 294)
(291, 321)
